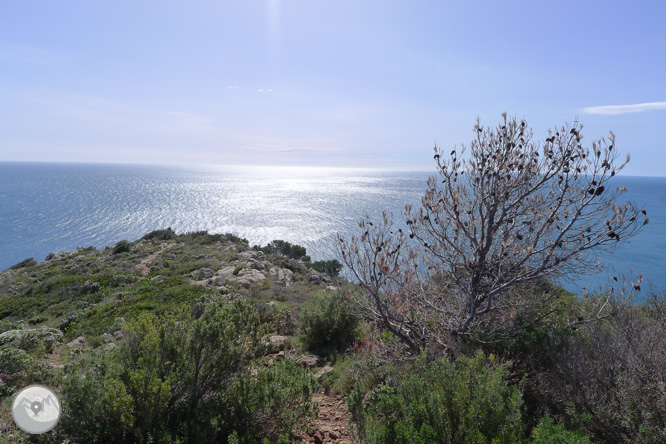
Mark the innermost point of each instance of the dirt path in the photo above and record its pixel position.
(331, 424)
(143, 265)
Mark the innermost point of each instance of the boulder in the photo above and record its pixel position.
(249, 254)
(253, 263)
(308, 361)
(225, 273)
(78, 342)
(204, 273)
(110, 346)
(278, 343)
(324, 371)
(249, 276)
(56, 255)
(317, 278)
(282, 276)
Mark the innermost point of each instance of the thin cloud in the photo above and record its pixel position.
(265, 90)
(286, 149)
(624, 109)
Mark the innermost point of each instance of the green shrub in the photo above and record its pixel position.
(18, 369)
(441, 402)
(160, 235)
(238, 269)
(187, 376)
(121, 247)
(284, 248)
(271, 403)
(24, 263)
(547, 432)
(331, 267)
(86, 403)
(327, 322)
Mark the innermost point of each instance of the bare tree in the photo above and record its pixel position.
(512, 214)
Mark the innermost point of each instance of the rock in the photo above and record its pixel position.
(159, 278)
(308, 361)
(233, 248)
(317, 278)
(278, 343)
(282, 276)
(56, 255)
(205, 273)
(225, 273)
(110, 346)
(324, 371)
(253, 263)
(332, 288)
(78, 342)
(249, 276)
(318, 438)
(250, 254)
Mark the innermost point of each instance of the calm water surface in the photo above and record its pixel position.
(57, 207)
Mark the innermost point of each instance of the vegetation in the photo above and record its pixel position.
(490, 227)
(452, 333)
(469, 401)
(331, 267)
(284, 248)
(328, 322)
(121, 247)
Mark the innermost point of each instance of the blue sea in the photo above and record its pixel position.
(47, 207)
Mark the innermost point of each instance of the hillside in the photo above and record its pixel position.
(200, 338)
(76, 306)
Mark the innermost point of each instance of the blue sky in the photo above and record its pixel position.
(353, 83)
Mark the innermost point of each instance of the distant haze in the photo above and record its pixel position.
(342, 83)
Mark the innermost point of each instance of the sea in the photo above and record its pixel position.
(46, 207)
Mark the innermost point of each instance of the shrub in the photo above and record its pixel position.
(284, 248)
(121, 247)
(18, 369)
(547, 432)
(160, 235)
(466, 402)
(331, 267)
(327, 321)
(270, 405)
(24, 263)
(611, 376)
(187, 376)
(238, 269)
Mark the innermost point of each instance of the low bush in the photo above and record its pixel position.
(548, 432)
(284, 248)
(121, 247)
(160, 235)
(18, 369)
(469, 401)
(24, 263)
(327, 321)
(331, 267)
(188, 376)
(611, 376)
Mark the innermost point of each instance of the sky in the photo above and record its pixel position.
(348, 83)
